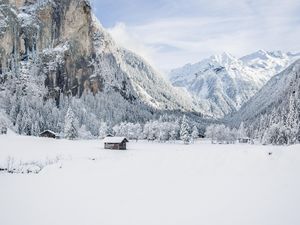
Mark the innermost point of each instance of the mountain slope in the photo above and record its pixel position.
(124, 71)
(147, 84)
(275, 108)
(223, 83)
(275, 95)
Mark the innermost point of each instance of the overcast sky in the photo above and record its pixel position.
(171, 33)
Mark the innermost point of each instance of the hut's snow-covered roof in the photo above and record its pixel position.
(115, 140)
(245, 138)
(49, 131)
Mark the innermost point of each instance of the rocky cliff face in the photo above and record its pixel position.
(56, 32)
(75, 54)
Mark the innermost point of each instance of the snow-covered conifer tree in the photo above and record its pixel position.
(211, 133)
(242, 131)
(103, 130)
(293, 118)
(185, 131)
(84, 133)
(71, 125)
(195, 133)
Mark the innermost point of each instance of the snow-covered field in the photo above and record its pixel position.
(150, 184)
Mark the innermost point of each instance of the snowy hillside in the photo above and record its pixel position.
(150, 184)
(133, 76)
(275, 107)
(223, 83)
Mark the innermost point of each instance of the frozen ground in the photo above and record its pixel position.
(150, 184)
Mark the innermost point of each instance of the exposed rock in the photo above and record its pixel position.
(41, 28)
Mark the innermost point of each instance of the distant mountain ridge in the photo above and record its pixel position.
(222, 83)
(277, 91)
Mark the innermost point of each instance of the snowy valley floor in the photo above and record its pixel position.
(150, 184)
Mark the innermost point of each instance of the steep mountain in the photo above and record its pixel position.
(57, 48)
(276, 104)
(223, 83)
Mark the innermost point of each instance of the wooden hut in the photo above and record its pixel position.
(3, 130)
(115, 143)
(49, 134)
(245, 140)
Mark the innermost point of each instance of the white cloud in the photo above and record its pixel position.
(132, 41)
(172, 41)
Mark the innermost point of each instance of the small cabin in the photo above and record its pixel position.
(115, 143)
(3, 130)
(49, 134)
(245, 140)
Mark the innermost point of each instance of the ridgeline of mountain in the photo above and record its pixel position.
(222, 83)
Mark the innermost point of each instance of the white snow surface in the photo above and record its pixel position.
(114, 139)
(150, 184)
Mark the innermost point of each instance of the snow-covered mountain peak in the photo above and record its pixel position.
(278, 54)
(263, 58)
(222, 83)
(261, 55)
(290, 54)
(224, 58)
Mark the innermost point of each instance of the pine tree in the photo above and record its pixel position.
(103, 130)
(242, 131)
(71, 125)
(221, 133)
(185, 131)
(292, 119)
(195, 133)
(211, 133)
